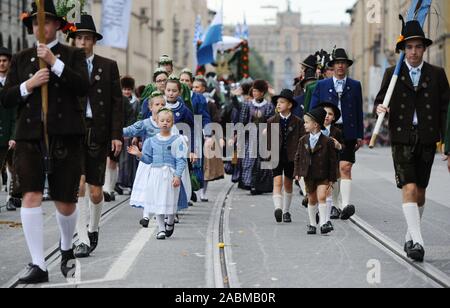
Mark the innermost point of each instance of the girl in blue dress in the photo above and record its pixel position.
(167, 155)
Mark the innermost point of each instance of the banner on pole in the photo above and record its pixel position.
(116, 15)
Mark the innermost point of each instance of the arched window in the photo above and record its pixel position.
(288, 66)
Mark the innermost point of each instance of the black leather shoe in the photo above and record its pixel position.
(118, 190)
(144, 223)
(325, 229)
(311, 230)
(204, 200)
(330, 225)
(305, 202)
(161, 236)
(68, 270)
(287, 218)
(194, 197)
(335, 213)
(279, 215)
(107, 197)
(34, 275)
(408, 246)
(169, 233)
(82, 251)
(113, 196)
(17, 202)
(348, 212)
(10, 207)
(417, 253)
(93, 238)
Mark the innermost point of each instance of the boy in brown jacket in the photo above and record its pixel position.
(316, 161)
(291, 130)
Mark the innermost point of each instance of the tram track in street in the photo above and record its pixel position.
(53, 255)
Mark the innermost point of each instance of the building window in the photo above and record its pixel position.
(288, 43)
(271, 68)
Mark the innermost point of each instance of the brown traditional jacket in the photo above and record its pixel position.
(317, 164)
(296, 130)
(105, 99)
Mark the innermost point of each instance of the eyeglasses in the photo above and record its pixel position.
(161, 81)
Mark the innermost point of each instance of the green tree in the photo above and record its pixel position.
(258, 69)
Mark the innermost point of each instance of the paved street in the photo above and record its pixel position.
(258, 253)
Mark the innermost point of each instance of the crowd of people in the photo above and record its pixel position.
(104, 136)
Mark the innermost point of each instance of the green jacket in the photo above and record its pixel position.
(309, 91)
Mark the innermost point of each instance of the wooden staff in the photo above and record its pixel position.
(44, 89)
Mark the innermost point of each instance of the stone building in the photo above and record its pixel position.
(285, 44)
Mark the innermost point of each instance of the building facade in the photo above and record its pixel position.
(375, 37)
(12, 34)
(157, 27)
(285, 44)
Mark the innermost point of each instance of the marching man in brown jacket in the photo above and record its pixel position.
(67, 79)
(103, 110)
(417, 121)
(316, 161)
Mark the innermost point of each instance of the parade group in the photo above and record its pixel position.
(104, 136)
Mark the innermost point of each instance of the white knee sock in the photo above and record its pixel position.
(67, 229)
(323, 214)
(107, 186)
(278, 202)
(204, 190)
(408, 234)
(1, 183)
(336, 195)
(161, 223)
(83, 207)
(146, 215)
(114, 177)
(96, 215)
(302, 185)
(412, 215)
(33, 228)
(329, 207)
(287, 202)
(312, 212)
(8, 185)
(346, 191)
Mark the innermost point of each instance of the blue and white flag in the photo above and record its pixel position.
(198, 31)
(245, 32)
(205, 54)
(238, 31)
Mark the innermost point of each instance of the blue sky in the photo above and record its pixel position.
(316, 12)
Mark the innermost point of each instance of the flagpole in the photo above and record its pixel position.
(44, 89)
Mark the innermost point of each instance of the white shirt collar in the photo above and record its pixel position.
(315, 136)
(3, 80)
(410, 67)
(335, 79)
(259, 105)
(285, 118)
(328, 128)
(172, 106)
(91, 59)
(52, 44)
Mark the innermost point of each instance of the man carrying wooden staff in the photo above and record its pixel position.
(67, 79)
(417, 121)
